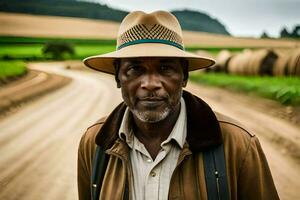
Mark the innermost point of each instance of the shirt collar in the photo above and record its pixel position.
(178, 132)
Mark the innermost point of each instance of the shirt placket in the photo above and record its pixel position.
(154, 169)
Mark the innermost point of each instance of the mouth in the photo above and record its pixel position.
(151, 101)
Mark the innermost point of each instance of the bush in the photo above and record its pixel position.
(11, 69)
(58, 50)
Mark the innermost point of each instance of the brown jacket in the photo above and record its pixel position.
(248, 173)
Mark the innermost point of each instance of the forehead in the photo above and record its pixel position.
(144, 60)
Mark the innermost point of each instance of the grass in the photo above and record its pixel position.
(30, 48)
(11, 69)
(286, 90)
(34, 51)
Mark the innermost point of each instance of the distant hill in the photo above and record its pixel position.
(68, 8)
(189, 20)
(197, 21)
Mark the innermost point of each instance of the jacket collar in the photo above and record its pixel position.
(203, 130)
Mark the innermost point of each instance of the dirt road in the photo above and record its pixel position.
(38, 144)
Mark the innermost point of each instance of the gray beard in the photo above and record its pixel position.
(151, 116)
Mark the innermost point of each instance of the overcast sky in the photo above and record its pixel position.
(241, 17)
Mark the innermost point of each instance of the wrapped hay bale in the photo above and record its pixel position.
(222, 60)
(293, 66)
(239, 63)
(262, 62)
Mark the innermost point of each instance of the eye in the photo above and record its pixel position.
(134, 70)
(166, 68)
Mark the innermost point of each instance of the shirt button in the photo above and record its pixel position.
(149, 160)
(153, 174)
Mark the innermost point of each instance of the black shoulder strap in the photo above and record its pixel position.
(215, 174)
(98, 171)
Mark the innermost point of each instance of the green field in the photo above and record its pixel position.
(22, 48)
(34, 51)
(11, 69)
(26, 48)
(286, 90)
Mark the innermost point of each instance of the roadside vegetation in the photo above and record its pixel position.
(9, 69)
(286, 90)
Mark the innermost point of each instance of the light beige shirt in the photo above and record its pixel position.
(151, 178)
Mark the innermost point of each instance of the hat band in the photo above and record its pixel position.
(141, 41)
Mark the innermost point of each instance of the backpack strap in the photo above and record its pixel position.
(98, 171)
(215, 174)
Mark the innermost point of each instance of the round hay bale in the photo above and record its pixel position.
(239, 63)
(293, 67)
(280, 66)
(222, 60)
(262, 62)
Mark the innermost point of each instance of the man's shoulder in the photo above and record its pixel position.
(88, 138)
(237, 139)
(229, 124)
(96, 125)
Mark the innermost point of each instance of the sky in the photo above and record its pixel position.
(240, 17)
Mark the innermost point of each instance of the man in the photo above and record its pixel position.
(155, 141)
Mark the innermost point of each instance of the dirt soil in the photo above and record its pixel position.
(38, 144)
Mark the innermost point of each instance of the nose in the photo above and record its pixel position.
(151, 82)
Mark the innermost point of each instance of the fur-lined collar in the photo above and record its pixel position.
(203, 130)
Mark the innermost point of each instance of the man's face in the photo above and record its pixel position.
(151, 87)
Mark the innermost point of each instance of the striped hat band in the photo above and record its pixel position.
(156, 33)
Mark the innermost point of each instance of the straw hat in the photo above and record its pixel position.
(156, 34)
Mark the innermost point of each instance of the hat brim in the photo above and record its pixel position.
(104, 62)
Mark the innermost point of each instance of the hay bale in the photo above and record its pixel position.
(262, 62)
(239, 63)
(280, 65)
(222, 60)
(293, 66)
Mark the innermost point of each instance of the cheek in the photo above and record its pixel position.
(128, 90)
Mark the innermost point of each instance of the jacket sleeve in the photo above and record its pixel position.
(86, 152)
(255, 180)
(83, 172)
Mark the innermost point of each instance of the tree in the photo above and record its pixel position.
(284, 33)
(296, 32)
(264, 35)
(58, 50)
